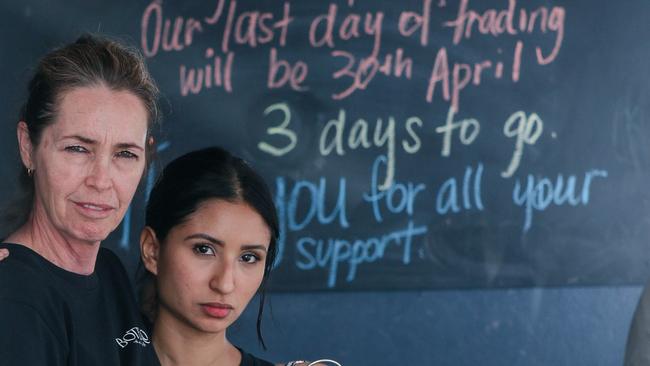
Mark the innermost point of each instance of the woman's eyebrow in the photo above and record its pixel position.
(205, 237)
(90, 141)
(221, 243)
(254, 247)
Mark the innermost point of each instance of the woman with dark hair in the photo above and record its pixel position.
(208, 247)
(84, 138)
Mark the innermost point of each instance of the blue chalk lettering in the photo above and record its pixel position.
(378, 246)
(330, 253)
(408, 235)
(523, 198)
(311, 261)
(544, 194)
(401, 205)
(316, 205)
(341, 253)
(323, 255)
(376, 194)
(126, 229)
(564, 195)
(293, 205)
(540, 195)
(338, 210)
(280, 194)
(151, 176)
(466, 178)
(586, 187)
(447, 199)
(477, 187)
(399, 196)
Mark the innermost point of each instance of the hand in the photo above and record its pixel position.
(4, 253)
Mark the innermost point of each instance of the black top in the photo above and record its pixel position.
(249, 360)
(246, 360)
(50, 316)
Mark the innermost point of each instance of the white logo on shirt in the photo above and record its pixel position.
(135, 335)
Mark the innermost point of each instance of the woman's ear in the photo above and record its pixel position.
(25, 145)
(149, 249)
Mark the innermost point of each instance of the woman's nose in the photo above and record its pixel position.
(223, 279)
(99, 176)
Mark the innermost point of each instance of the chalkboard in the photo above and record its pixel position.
(409, 145)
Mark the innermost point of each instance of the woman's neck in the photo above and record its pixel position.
(177, 343)
(72, 255)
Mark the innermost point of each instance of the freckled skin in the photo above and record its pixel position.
(93, 154)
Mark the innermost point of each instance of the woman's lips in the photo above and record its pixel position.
(94, 210)
(217, 310)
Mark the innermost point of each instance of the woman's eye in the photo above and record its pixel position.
(203, 249)
(127, 154)
(76, 149)
(250, 258)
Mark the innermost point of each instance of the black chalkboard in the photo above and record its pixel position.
(409, 145)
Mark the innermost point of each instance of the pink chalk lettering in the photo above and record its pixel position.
(191, 80)
(217, 73)
(555, 24)
(281, 72)
(352, 26)
(410, 22)
(225, 41)
(361, 77)
(516, 64)
(439, 74)
(218, 10)
(496, 23)
(325, 37)
(373, 26)
(478, 70)
(152, 9)
(172, 44)
(165, 33)
(253, 28)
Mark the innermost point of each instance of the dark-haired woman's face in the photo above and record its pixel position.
(211, 265)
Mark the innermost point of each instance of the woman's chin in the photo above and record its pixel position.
(91, 234)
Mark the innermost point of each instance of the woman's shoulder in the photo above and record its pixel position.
(23, 270)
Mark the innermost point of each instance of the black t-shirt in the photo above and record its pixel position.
(246, 360)
(249, 360)
(49, 316)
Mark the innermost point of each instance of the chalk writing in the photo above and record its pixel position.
(281, 72)
(281, 130)
(337, 30)
(383, 135)
(397, 98)
(330, 253)
(526, 130)
(540, 194)
(352, 26)
(469, 130)
(448, 196)
(217, 73)
(397, 198)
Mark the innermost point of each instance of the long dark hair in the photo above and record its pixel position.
(188, 181)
